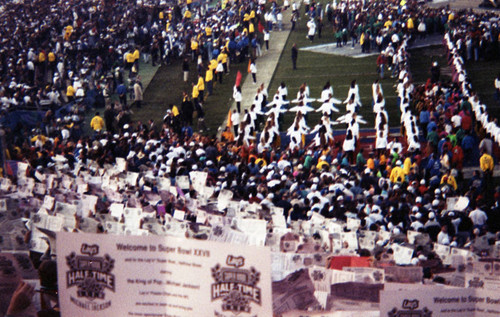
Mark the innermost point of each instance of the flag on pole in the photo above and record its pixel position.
(238, 79)
(229, 123)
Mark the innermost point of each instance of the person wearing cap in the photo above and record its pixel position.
(417, 224)
(397, 173)
(322, 163)
(432, 227)
(435, 72)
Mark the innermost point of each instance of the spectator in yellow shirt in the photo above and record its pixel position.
(129, 57)
(407, 165)
(370, 163)
(39, 140)
(223, 56)
(194, 49)
(322, 163)
(175, 111)
(201, 87)
(52, 61)
(52, 57)
(70, 92)
(41, 57)
(397, 173)
(486, 163)
(137, 56)
(410, 25)
(227, 135)
(195, 94)
(209, 76)
(67, 32)
(450, 180)
(97, 123)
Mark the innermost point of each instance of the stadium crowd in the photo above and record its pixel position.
(83, 51)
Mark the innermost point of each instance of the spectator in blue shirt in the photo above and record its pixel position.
(424, 119)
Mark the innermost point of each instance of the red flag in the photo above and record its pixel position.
(238, 79)
(261, 27)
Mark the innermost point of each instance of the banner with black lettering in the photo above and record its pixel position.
(430, 301)
(109, 275)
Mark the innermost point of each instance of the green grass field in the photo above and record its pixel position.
(167, 86)
(482, 75)
(315, 69)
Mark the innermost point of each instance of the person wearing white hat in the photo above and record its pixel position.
(432, 226)
(397, 173)
(417, 224)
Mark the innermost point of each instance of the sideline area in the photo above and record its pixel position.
(266, 65)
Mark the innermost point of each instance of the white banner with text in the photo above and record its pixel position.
(109, 275)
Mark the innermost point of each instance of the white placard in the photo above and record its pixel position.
(116, 210)
(160, 276)
(163, 183)
(48, 202)
(21, 169)
(349, 240)
(225, 196)
(179, 214)
(132, 178)
(5, 184)
(437, 301)
(88, 204)
(121, 164)
(182, 182)
(402, 254)
(353, 224)
(65, 209)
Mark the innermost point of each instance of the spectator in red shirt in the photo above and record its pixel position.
(466, 120)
